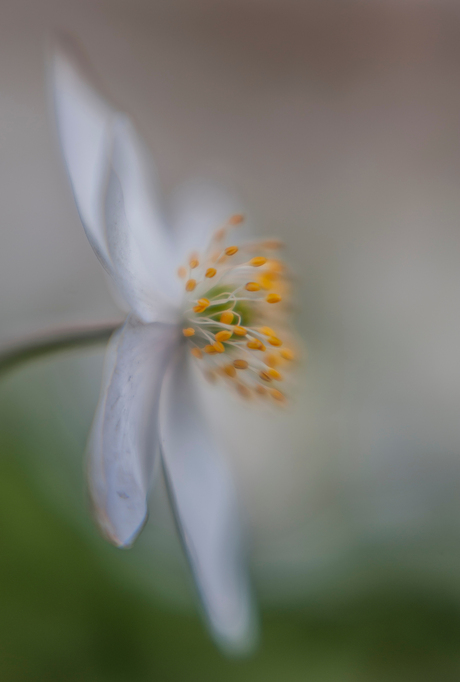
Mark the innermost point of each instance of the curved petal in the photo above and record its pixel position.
(83, 120)
(198, 208)
(123, 439)
(206, 510)
(140, 248)
(113, 180)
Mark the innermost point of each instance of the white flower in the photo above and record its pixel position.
(147, 402)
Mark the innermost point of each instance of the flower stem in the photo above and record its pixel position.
(66, 339)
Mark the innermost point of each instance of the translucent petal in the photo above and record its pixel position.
(140, 248)
(124, 435)
(113, 180)
(206, 510)
(83, 120)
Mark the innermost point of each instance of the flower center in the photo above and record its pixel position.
(235, 314)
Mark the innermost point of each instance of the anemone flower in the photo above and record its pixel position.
(192, 299)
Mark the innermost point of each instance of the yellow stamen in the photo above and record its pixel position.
(265, 281)
(202, 304)
(261, 390)
(231, 250)
(287, 354)
(272, 360)
(274, 374)
(275, 266)
(196, 352)
(252, 286)
(277, 395)
(255, 344)
(226, 317)
(265, 376)
(230, 371)
(190, 285)
(182, 272)
(273, 298)
(194, 263)
(267, 331)
(274, 341)
(210, 272)
(257, 261)
(223, 335)
(239, 331)
(188, 332)
(240, 364)
(219, 347)
(209, 349)
(236, 219)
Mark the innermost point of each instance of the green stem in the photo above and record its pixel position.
(64, 340)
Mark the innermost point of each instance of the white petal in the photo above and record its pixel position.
(113, 180)
(200, 207)
(84, 124)
(140, 247)
(206, 510)
(124, 435)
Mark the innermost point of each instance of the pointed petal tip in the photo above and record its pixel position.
(123, 537)
(242, 641)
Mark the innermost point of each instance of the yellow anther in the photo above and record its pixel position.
(275, 266)
(265, 281)
(190, 285)
(274, 341)
(240, 364)
(230, 371)
(267, 331)
(194, 263)
(255, 344)
(261, 390)
(287, 354)
(273, 298)
(209, 349)
(210, 272)
(236, 219)
(272, 360)
(277, 395)
(231, 250)
(223, 335)
(226, 317)
(182, 272)
(196, 352)
(188, 332)
(239, 331)
(265, 376)
(274, 374)
(252, 286)
(257, 261)
(202, 304)
(219, 347)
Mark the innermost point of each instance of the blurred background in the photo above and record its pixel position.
(337, 122)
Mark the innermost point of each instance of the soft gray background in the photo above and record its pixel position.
(338, 123)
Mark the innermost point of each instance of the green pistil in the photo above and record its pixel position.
(242, 308)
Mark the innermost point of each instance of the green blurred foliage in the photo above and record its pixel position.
(69, 612)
